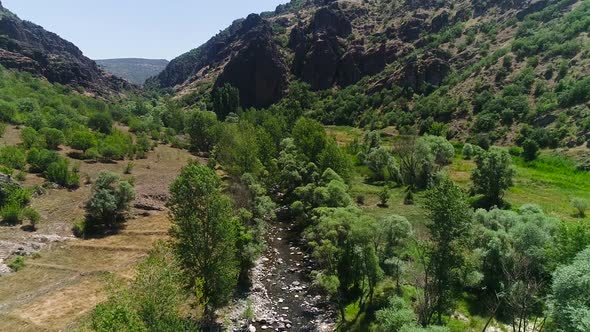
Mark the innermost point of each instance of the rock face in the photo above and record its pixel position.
(257, 70)
(28, 47)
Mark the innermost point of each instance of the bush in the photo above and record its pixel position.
(53, 137)
(60, 172)
(101, 122)
(110, 200)
(31, 139)
(12, 214)
(32, 216)
(384, 195)
(530, 150)
(468, 151)
(12, 157)
(440, 148)
(40, 159)
(382, 165)
(581, 205)
(17, 264)
(7, 112)
(129, 168)
(82, 140)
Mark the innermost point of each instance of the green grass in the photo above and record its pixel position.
(551, 181)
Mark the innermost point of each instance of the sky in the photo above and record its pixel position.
(152, 29)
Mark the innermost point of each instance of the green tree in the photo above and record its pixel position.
(226, 100)
(571, 295)
(309, 137)
(237, 149)
(204, 234)
(382, 165)
(530, 150)
(450, 217)
(203, 129)
(110, 200)
(492, 176)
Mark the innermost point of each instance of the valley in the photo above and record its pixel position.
(331, 165)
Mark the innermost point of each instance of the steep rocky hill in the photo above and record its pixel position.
(133, 70)
(422, 62)
(28, 47)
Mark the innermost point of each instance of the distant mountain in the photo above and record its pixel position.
(28, 47)
(133, 69)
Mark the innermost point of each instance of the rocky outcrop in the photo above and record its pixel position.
(410, 30)
(28, 47)
(439, 21)
(331, 21)
(257, 71)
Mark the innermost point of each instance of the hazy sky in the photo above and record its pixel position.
(136, 28)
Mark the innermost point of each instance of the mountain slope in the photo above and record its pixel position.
(133, 70)
(473, 65)
(28, 47)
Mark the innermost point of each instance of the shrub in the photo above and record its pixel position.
(530, 150)
(129, 168)
(581, 205)
(30, 138)
(110, 200)
(53, 137)
(468, 151)
(440, 148)
(17, 264)
(101, 122)
(382, 165)
(60, 172)
(384, 195)
(32, 216)
(360, 200)
(40, 159)
(12, 157)
(7, 112)
(12, 213)
(82, 140)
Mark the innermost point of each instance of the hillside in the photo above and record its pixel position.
(482, 70)
(28, 47)
(133, 70)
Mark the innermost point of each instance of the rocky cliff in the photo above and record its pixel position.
(331, 43)
(28, 47)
